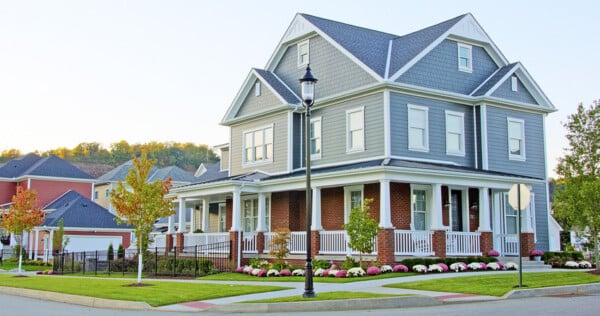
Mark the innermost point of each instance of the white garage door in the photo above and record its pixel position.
(92, 243)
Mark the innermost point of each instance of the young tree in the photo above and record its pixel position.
(140, 203)
(577, 201)
(22, 216)
(362, 229)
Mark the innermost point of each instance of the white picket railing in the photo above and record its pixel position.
(509, 244)
(336, 242)
(463, 244)
(249, 243)
(413, 243)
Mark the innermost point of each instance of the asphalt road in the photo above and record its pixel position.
(564, 305)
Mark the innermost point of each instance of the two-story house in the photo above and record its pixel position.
(435, 126)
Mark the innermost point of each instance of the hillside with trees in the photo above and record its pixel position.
(97, 160)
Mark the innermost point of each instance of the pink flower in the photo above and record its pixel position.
(373, 271)
(400, 268)
(341, 274)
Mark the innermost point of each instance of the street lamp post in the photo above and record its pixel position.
(308, 98)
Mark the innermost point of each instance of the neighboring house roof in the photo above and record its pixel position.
(176, 174)
(34, 165)
(78, 211)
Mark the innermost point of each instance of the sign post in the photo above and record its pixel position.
(519, 198)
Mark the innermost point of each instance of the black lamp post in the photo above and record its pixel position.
(308, 98)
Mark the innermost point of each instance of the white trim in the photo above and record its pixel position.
(318, 155)
(264, 128)
(461, 145)
(387, 138)
(304, 43)
(348, 201)
(484, 137)
(349, 148)
(425, 145)
(522, 156)
(469, 66)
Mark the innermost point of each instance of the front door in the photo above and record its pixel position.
(456, 210)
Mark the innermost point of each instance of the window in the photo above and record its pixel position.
(353, 197)
(455, 133)
(355, 124)
(257, 89)
(303, 54)
(258, 145)
(315, 138)
(465, 60)
(514, 83)
(516, 139)
(222, 218)
(418, 125)
(419, 208)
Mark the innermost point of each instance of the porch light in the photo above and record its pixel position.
(307, 83)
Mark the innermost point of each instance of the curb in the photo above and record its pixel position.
(331, 305)
(76, 299)
(556, 290)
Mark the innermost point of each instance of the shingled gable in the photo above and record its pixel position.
(32, 165)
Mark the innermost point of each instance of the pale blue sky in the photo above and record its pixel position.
(103, 71)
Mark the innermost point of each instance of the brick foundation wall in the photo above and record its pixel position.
(400, 205)
(385, 246)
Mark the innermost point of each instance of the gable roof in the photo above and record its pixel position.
(34, 165)
(78, 211)
(175, 173)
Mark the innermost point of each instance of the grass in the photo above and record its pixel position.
(232, 276)
(160, 293)
(499, 284)
(326, 296)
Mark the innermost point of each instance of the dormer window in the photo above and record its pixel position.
(465, 58)
(257, 89)
(303, 54)
(514, 83)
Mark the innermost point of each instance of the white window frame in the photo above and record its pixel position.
(257, 89)
(514, 83)
(348, 199)
(469, 66)
(427, 190)
(461, 134)
(411, 125)
(264, 146)
(319, 137)
(350, 129)
(300, 47)
(512, 156)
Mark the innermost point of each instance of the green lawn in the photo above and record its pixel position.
(326, 296)
(499, 284)
(232, 276)
(160, 293)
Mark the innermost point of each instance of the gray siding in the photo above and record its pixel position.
(253, 104)
(336, 72)
(505, 92)
(437, 129)
(280, 143)
(541, 217)
(439, 69)
(497, 127)
(333, 122)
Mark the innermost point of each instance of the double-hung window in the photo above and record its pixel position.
(516, 139)
(418, 125)
(258, 145)
(315, 138)
(455, 133)
(353, 197)
(465, 57)
(355, 128)
(303, 53)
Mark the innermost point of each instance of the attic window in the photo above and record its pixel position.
(514, 83)
(303, 54)
(465, 58)
(257, 89)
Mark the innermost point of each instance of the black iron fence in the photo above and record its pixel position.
(186, 261)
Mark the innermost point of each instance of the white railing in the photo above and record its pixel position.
(413, 243)
(463, 244)
(249, 243)
(509, 244)
(296, 244)
(336, 242)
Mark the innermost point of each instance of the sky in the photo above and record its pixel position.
(110, 70)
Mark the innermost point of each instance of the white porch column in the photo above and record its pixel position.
(435, 222)
(205, 215)
(385, 213)
(316, 209)
(36, 245)
(262, 212)
(182, 211)
(484, 210)
(236, 219)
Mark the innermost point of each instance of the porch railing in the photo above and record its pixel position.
(463, 244)
(336, 242)
(509, 244)
(296, 244)
(413, 243)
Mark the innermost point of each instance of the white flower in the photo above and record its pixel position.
(356, 272)
(255, 271)
(419, 268)
(272, 272)
(493, 266)
(511, 266)
(585, 264)
(319, 272)
(248, 268)
(457, 266)
(435, 268)
(474, 266)
(298, 272)
(386, 268)
(332, 272)
(571, 264)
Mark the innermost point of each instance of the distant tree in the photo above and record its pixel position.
(362, 229)
(141, 203)
(577, 199)
(22, 216)
(59, 240)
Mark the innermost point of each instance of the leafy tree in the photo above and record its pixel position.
(22, 216)
(140, 203)
(577, 200)
(362, 229)
(59, 241)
